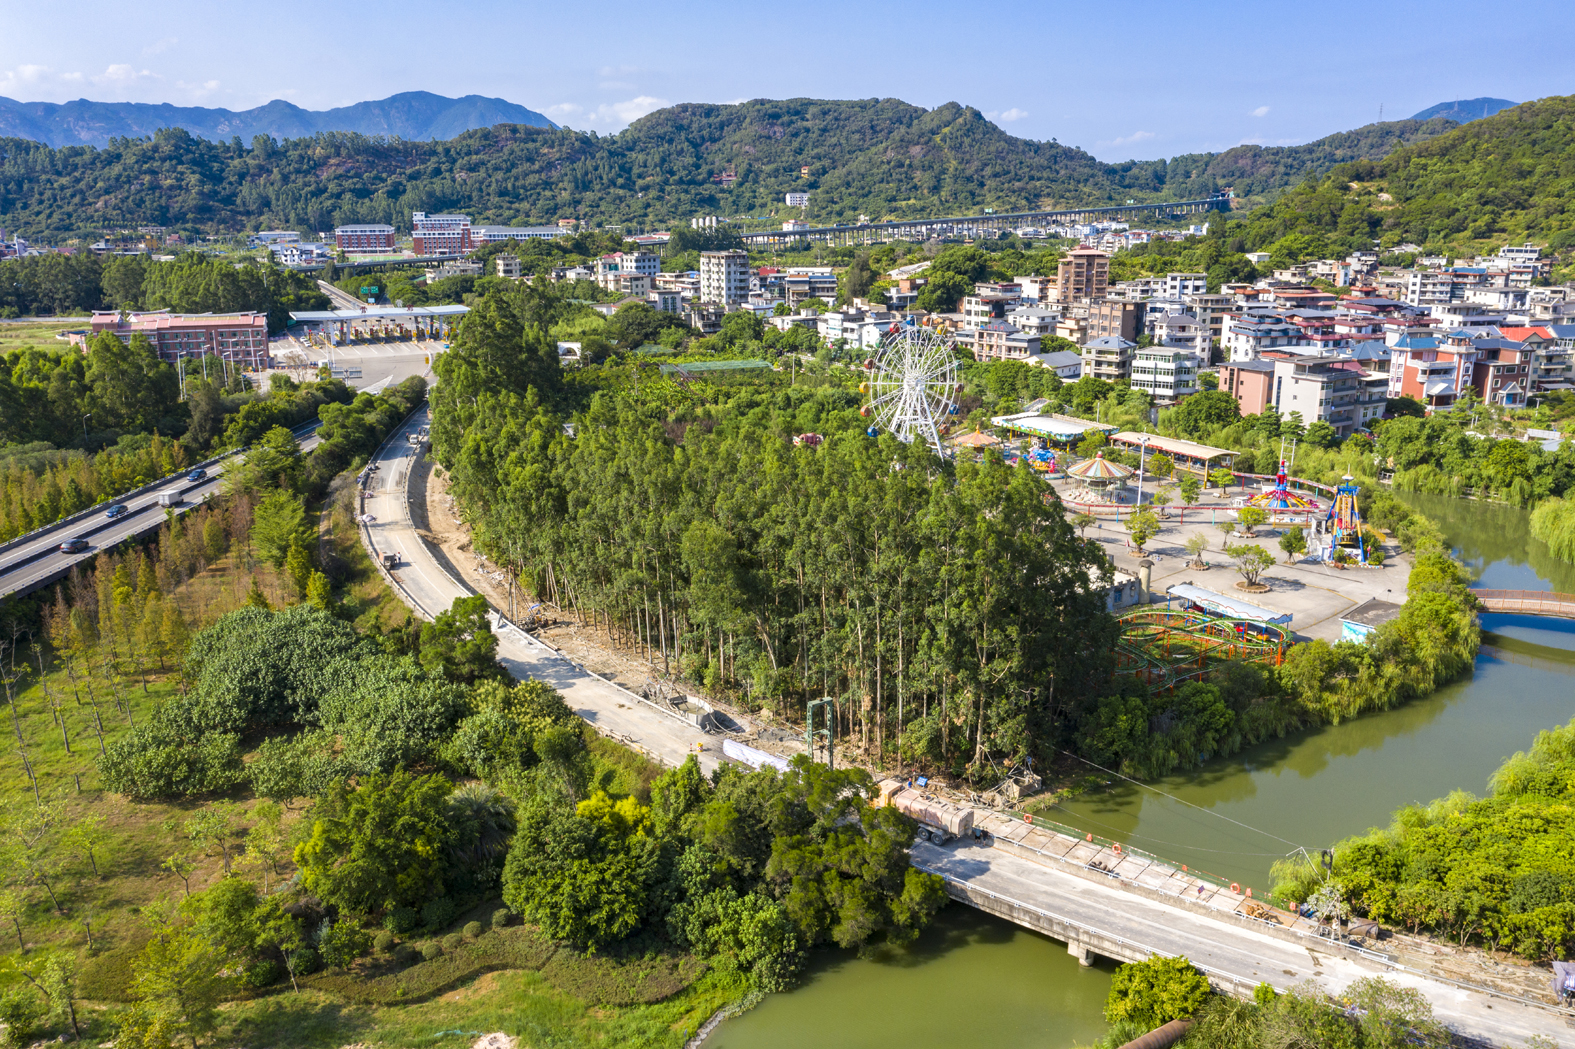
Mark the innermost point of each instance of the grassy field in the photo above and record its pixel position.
(96, 907)
(41, 333)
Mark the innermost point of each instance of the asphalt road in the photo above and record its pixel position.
(1243, 953)
(430, 589)
(39, 560)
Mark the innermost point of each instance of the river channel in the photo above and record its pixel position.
(975, 981)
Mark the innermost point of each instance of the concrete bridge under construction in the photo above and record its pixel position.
(972, 225)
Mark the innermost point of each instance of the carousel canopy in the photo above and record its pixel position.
(1100, 469)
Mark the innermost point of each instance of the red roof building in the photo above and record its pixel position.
(238, 337)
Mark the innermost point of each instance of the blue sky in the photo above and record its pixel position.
(1122, 80)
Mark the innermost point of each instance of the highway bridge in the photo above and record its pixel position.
(972, 225)
(35, 560)
(1528, 602)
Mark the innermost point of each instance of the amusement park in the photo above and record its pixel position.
(1331, 583)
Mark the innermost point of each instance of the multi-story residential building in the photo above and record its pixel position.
(1113, 318)
(797, 283)
(440, 234)
(1073, 327)
(999, 341)
(611, 268)
(367, 239)
(238, 337)
(724, 276)
(989, 302)
(797, 200)
(1034, 320)
(1065, 363)
(1138, 290)
(1109, 358)
(1180, 285)
(1432, 370)
(1036, 289)
(1433, 287)
(508, 267)
(294, 253)
(1330, 389)
(1182, 331)
(480, 235)
(1250, 382)
(1082, 275)
(1502, 372)
(666, 300)
(1167, 373)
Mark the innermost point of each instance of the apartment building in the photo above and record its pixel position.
(1181, 331)
(1082, 275)
(1433, 287)
(1180, 285)
(366, 239)
(724, 277)
(1330, 389)
(1251, 383)
(1503, 371)
(806, 282)
(989, 302)
(480, 235)
(1431, 370)
(611, 268)
(1109, 317)
(999, 341)
(440, 234)
(1109, 358)
(508, 267)
(1167, 373)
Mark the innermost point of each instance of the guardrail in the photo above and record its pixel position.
(1529, 602)
(43, 530)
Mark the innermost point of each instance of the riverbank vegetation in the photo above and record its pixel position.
(1372, 1013)
(1553, 522)
(1492, 871)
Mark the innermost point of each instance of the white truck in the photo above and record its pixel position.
(168, 499)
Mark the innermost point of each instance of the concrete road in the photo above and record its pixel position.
(1243, 953)
(428, 588)
(39, 561)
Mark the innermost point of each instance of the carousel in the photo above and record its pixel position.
(1099, 480)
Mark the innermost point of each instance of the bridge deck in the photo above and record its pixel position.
(1102, 916)
(1528, 602)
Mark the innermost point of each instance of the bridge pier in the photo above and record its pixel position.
(1084, 956)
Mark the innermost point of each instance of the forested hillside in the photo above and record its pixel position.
(1505, 178)
(878, 157)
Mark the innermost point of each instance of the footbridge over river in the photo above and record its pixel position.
(1528, 602)
(1102, 899)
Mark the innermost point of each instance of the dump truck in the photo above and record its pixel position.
(939, 821)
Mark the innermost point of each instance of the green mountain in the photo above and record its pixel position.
(410, 114)
(1465, 110)
(1505, 178)
(878, 157)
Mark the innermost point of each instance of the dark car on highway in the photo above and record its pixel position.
(74, 546)
(117, 510)
(198, 474)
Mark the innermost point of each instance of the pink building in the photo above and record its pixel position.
(238, 337)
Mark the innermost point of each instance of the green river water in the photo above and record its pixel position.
(976, 981)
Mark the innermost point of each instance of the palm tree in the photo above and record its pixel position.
(483, 821)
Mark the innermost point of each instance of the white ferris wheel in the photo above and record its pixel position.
(912, 385)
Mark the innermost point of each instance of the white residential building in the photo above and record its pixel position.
(1182, 331)
(610, 269)
(1178, 285)
(797, 200)
(1167, 373)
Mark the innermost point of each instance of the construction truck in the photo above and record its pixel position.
(939, 821)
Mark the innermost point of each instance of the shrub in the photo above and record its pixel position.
(501, 917)
(472, 930)
(1155, 992)
(262, 973)
(342, 942)
(401, 920)
(437, 913)
(151, 762)
(383, 942)
(453, 941)
(431, 950)
(303, 961)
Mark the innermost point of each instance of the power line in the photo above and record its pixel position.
(1082, 818)
(1189, 804)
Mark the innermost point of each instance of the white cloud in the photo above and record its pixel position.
(1136, 136)
(1261, 111)
(630, 111)
(564, 109)
(125, 75)
(1013, 114)
(158, 47)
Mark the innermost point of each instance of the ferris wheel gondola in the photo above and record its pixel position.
(912, 384)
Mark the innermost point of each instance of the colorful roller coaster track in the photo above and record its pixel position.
(1167, 646)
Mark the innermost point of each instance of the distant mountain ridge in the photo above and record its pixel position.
(413, 115)
(1465, 110)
